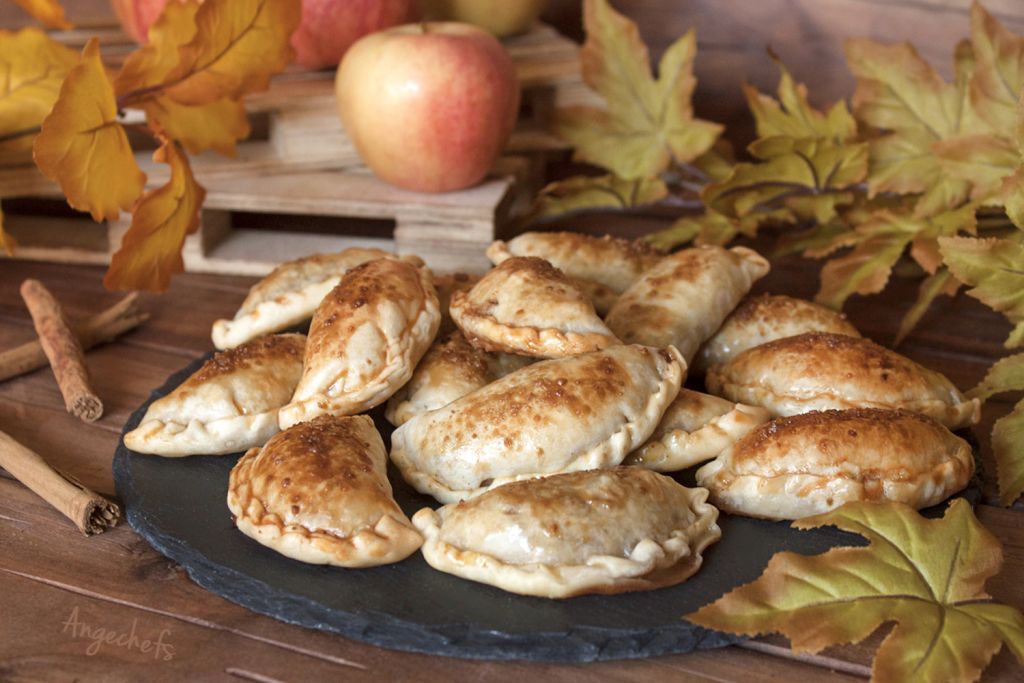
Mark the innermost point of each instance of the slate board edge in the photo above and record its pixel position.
(466, 641)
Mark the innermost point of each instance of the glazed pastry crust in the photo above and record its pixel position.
(529, 307)
(609, 261)
(695, 428)
(448, 371)
(683, 299)
(319, 493)
(761, 319)
(229, 405)
(599, 531)
(822, 371)
(807, 464)
(563, 415)
(366, 338)
(288, 295)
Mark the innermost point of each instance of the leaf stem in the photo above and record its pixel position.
(14, 135)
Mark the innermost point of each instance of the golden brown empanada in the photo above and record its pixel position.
(318, 492)
(600, 531)
(761, 319)
(445, 285)
(228, 405)
(609, 261)
(288, 295)
(449, 370)
(529, 307)
(365, 340)
(576, 413)
(684, 298)
(696, 427)
(821, 371)
(807, 464)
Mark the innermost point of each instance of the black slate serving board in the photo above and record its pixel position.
(178, 505)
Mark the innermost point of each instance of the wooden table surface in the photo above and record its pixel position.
(60, 590)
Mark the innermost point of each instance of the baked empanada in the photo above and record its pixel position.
(448, 371)
(576, 413)
(609, 261)
(822, 371)
(318, 492)
(807, 464)
(529, 307)
(228, 405)
(365, 340)
(696, 427)
(600, 531)
(288, 295)
(761, 319)
(684, 298)
(445, 285)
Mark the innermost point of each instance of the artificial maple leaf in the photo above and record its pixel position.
(998, 76)
(82, 146)
(994, 269)
(927, 576)
(217, 125)
(939, 283)
(147, 68)
(151, 250)
(648, 122)
(711, 227)
(49, 12)
(983, 161)
(900, 93)
(793, 116)
(598, 192)
(1013, 185)
(809, 176)
(1006, 374)
(32, 68)
(238, 45)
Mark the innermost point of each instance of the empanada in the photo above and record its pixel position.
(228, 405)
(807, 464)
(529, 307)
(445, 285)
(576, 413)
(288, 295)
(365, 340)
(821, 371)
(600, 531)
(684, 298)
(448, 371)
(318, 492)
(696, 427)
(609, 261)
(761, 319)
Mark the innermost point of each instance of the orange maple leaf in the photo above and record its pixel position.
(83, 147)
(151, 250)
(49, 12)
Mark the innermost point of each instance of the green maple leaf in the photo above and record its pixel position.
(927, 576)
(648, 122)
(994, 268)
(1006, 374)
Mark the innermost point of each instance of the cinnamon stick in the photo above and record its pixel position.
(93, 331)
(62, 350)
(90, 511)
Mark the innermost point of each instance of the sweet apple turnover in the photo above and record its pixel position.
(228, 405)
(820, 371)
(599, 531)
(807, 464)
(365, 340)
(318, 492)
(577, 413)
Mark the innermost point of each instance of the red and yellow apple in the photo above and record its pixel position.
(136, 16)
(429, 106)
(500, 17)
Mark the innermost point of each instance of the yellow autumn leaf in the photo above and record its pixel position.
(217, 125)
(32, 68)
(711, 227)
(1012, 192)
(939, 283)
(994, 269)
(900, 93)
(1005, 375)
(648, 122)
(238, 45)
(927, 576)
(598, 192)
(151, 250)
(83, 147)
(48, 12)
(791, 115)
(998, 77)
(148, 67)
(983, 161)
